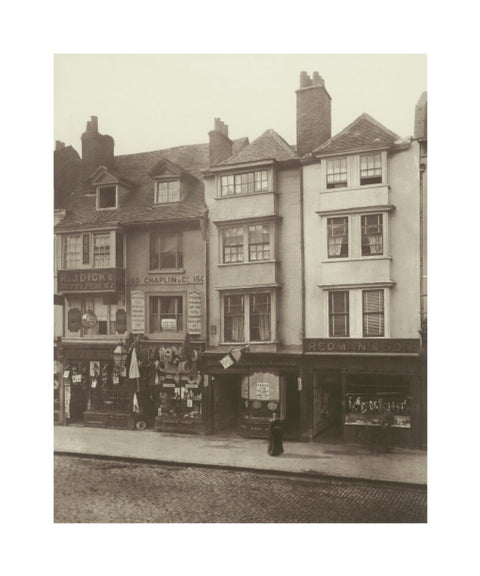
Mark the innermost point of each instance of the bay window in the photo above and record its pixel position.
(257, 237)
(246, 183)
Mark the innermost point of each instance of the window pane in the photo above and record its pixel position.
(260, 322)
(234, 318)
(337, 237)
(372, 234)
(101, 250)
(166, 250)
(166, 308)
(339, 313)
(373, 313)
(233, 245)
(72, 251)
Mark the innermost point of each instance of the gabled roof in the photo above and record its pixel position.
(363, 133)
(268, 146)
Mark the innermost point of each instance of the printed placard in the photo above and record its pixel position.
(138, 311)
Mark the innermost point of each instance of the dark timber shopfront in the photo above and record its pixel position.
(351, 383)
(244, 396)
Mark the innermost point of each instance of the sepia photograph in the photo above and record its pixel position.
(240, 288)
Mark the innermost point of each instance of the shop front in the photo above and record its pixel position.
(355, 388)
(246, 395)
(96, 389)
(172, 391)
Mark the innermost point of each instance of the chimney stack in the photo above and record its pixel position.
(420, 127)
(314, 117)
(221, 147)
(59, 145)
(97, 149)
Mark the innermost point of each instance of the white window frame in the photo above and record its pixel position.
(373, 155)
(65, 242)
(99, 192)
(355, 299)
(330, 170)
(247, 303)
(172, 196)
(246, 241)
(232, 185)
(107, 256)
(91, 250)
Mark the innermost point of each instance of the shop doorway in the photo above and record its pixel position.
(327, 408)
(225, 404)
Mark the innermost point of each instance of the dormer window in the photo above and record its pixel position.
(106, 197)
(167, 191)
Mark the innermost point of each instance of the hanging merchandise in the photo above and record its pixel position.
(133, 371)
(136, 407)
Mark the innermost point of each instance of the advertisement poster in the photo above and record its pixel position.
(68, 396)
(194, 312)
(138, 311)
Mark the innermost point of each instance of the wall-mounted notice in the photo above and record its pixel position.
(138, 311)
(194, 312)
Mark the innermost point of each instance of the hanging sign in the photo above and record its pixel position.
(89, 320)
(138, 311)
(194, 312)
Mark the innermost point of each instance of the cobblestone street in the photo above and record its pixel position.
(92, 490)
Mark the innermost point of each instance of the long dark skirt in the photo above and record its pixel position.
(275, 446)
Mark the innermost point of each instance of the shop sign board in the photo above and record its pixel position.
(138, 311)
(194, 312)
(91, 280)
(362, 345)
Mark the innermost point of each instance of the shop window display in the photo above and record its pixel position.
(368, 408)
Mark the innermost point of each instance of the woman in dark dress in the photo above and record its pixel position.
(275, 447)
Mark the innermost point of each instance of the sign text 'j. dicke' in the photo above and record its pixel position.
(98, 280)
(362, 346)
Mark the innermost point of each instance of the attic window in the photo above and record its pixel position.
(167, 191)
(106, 197)
(371, 169)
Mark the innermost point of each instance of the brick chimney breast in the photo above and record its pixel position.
(97, 149)
(314, 119)
(220, 145)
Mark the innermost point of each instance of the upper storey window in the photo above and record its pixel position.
(337, 173)
(167, 191)
(106, 197)
(246, 183)
(72, 251)
(371, 169)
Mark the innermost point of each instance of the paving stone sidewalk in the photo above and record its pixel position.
(322, 459)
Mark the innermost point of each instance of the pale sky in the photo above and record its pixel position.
(150, 102)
